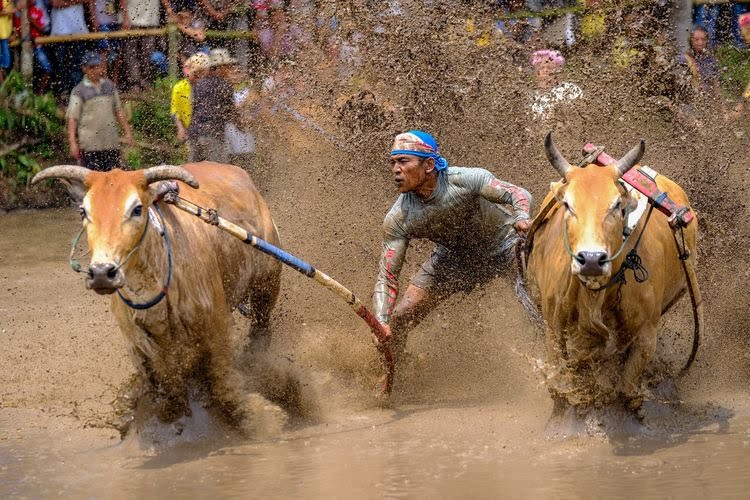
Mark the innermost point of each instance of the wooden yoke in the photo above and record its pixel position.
(679, 215)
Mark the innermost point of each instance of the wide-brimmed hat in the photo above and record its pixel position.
(198, 61)
(220, 57)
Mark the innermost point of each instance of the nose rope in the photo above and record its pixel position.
(566, 240)
(632, 259)
(163, 292)
(137, 245)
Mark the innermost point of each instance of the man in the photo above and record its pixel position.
(213, 108)
(456, 208)
(181, 106)
(67, 17)
(139, 50)
(92, 116)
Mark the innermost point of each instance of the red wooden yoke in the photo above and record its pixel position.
(679, 215)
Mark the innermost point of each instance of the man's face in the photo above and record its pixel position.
(409, 171)
(94, 73)
(699, 41)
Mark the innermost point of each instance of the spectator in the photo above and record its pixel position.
(229, 15)
(105, 18)
(139, 50)
(187, 16)
(213, 108)
(706, 15)
(38, 26)
(92, 114)
(744, 24)
(67, 18)
(550, 92)
(181, 106)
(703, 65)
(7, 9)
(703, 73)
(262, 26)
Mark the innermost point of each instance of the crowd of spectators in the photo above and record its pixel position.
(340, 33)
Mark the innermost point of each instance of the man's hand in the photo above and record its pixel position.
(522, 226)
(74, 151)
(388, 337)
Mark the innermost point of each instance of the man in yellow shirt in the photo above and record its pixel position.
(7, 10)
(181, 105)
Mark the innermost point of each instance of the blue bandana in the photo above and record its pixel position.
(418, 143)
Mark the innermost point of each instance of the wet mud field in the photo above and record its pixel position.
(469, 413)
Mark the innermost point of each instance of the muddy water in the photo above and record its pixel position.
(474, 452)
(453, 431)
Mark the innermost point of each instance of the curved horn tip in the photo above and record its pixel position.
(170, 172)
(548, 138)
(556, 159)
(74, 172)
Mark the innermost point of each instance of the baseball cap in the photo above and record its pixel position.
(91, 58)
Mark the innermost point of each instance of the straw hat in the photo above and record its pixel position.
(220, 57)
(198, 61)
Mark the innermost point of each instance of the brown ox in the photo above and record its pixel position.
(185, 338)
(598, 342)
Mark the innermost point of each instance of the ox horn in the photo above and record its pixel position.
(631, 158)
(169, 172)
(555, 157)
(69, 172)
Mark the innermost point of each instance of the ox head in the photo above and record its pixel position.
(114, 210)
(596, 207)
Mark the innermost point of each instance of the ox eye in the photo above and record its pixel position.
(137, 211)
(567, 207)
(82, 211)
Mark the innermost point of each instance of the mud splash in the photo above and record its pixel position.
(469, 414)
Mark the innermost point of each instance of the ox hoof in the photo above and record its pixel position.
(260, 418)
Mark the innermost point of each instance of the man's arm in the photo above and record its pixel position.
(72, 114)
(498, 191)
(61, 4)
(73, 138)
(94, 17)
(122, 119)
(391, 261)
(125, 127)
(211, 11)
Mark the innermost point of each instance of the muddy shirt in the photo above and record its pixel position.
(463, 216)
(95, 109)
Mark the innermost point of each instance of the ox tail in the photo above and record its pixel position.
(696, 300)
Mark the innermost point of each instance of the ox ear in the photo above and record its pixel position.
(556, 188)
(73, 177)
(75, 188)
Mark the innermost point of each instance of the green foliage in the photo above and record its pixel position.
(151, 117)
(735, 69)
(29, 124)
(154, 128)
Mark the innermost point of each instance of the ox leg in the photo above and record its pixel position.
(261, 303)
(126, 403)
(252, 414)
(554, 367)
(641, 351)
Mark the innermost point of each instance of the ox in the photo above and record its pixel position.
(599, 340)
(184, 338)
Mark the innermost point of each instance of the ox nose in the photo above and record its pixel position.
(104, 278)
(592, 263)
